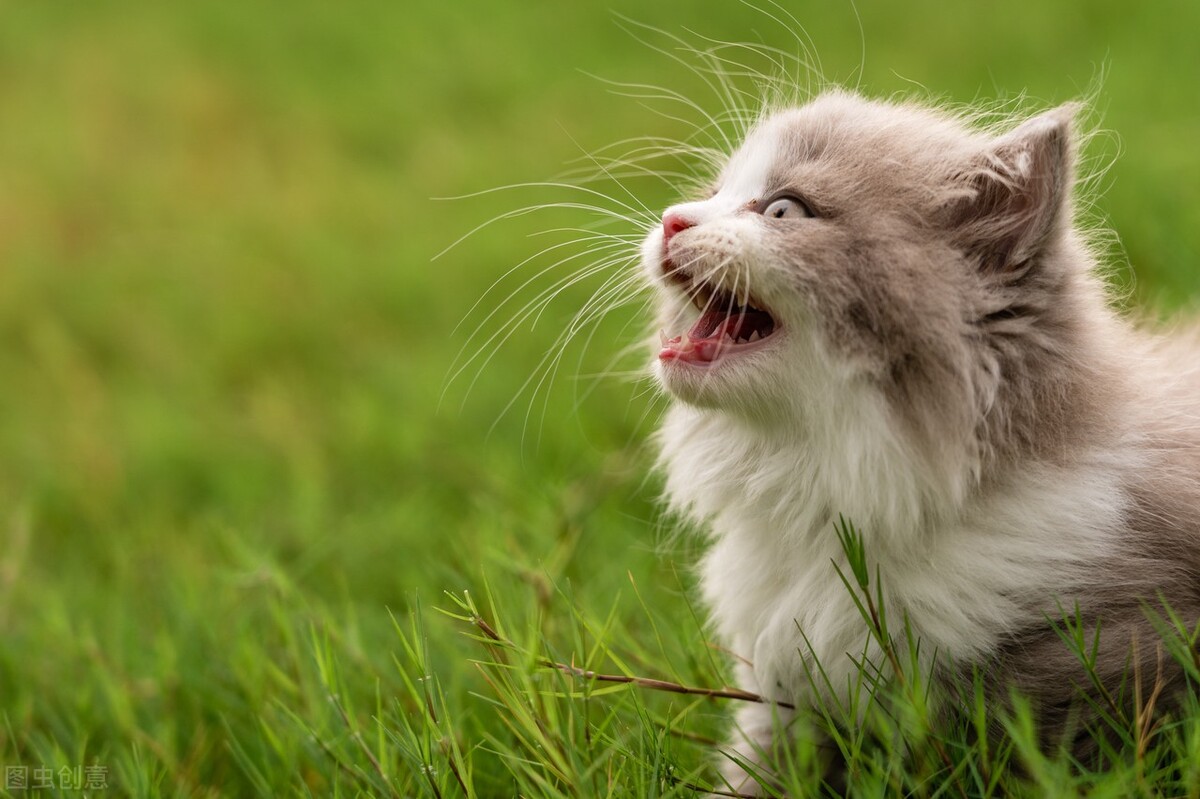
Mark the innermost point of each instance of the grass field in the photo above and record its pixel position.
(236, 481)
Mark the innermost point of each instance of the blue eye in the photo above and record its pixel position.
(787, 208)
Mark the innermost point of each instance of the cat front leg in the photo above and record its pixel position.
(782, 735)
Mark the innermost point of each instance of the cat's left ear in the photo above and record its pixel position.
(1016, 193)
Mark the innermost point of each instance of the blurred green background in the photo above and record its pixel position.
(226, 424)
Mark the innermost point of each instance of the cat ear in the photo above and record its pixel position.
(1014, 195)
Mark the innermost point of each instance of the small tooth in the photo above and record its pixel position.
(754, 336)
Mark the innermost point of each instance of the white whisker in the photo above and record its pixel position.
(507, 328)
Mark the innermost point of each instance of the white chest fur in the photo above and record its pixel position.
(964, 566)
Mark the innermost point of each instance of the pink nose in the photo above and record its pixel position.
(672, 224)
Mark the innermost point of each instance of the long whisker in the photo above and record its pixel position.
(543, 184)
(624, 188)
(551, 372)
(652, 92)
(545, 296)
(508, 330)
(594, 249)
(529, 209)
(487, 292)
(659, 144)
(580, 398)
(683, 62)
(552, 355)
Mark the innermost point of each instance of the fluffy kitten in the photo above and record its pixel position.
(899, 322)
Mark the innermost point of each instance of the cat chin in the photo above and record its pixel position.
(738, 384)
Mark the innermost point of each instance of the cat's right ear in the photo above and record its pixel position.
(1015, 195)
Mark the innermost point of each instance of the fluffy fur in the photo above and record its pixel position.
(947, 372)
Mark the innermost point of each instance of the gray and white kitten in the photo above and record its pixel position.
(884, 312)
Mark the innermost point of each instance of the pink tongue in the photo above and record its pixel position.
(702, 344)
(690, 349)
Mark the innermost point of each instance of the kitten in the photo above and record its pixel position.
(891, 315)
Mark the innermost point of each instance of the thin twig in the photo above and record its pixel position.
(664, 685)
(641, 682)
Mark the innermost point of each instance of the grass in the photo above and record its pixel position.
(235, 483)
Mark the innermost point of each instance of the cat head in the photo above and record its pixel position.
(852, 246)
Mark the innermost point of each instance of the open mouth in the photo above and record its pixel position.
(726, 327)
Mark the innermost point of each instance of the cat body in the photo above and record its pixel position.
(894, 319)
